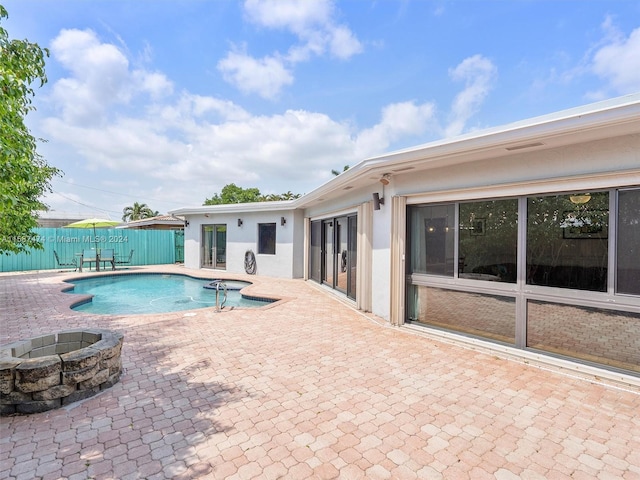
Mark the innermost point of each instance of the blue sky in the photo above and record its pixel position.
(165, 102)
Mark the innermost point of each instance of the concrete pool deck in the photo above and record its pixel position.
(307, 388)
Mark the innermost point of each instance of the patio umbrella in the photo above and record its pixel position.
(93, 223)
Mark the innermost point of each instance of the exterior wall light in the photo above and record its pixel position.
(283, 221)
(239, 222)
(377, 201)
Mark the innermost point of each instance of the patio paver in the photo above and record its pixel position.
(308, 388)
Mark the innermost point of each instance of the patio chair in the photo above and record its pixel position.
(106, 256)
(123, 260)
(88, 256)
(66, 263)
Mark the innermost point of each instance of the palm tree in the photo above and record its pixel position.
(344, 169)
(289, 195)
(137, 211)
(274, 197)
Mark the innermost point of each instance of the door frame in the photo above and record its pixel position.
(210, 240)
(337, 259)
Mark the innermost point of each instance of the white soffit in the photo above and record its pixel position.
(552, 131)
(277, 206)
(607, 119)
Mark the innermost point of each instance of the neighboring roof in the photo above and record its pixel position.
(56, 219)
(615, 117)
(157, 220)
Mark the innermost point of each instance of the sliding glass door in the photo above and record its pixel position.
(339, 253)
(214, 246)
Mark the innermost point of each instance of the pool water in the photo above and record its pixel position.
(155, 293)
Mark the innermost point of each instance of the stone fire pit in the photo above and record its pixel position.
(50, 371)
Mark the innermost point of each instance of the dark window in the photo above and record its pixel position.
(267, 238)
(567, 241)
(488, 240)
(431, 239)
(628, 271)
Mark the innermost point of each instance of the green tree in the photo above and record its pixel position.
(24, 175)
(289, 195)
(344, 169)
(273, 197)
(137, 211)
(231, 193)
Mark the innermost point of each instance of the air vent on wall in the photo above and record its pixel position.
(526, 145)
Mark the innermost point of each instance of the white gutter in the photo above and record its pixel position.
(277, 206)
(607, 114)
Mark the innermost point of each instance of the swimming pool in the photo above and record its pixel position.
(128, 294)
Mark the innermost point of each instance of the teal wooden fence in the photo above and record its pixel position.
(151, 247)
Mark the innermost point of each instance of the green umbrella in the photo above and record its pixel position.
(93, 223)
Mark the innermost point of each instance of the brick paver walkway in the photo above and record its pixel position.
(308, 388)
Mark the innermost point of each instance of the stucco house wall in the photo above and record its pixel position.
(287, 261)
(592, 147)
(588, 148)
(543, 169)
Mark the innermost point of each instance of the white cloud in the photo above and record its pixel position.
(479, 74)
(615, 59)
(194, 139)
(618, 61)
(296, 15)
(312, 22)
(225, 110)
(265, 77)
(343, 43)
(100, 77)
(398, 120)
(155, 84)
(291, 147)
(193, 145)
(68, 202)
(125, 145)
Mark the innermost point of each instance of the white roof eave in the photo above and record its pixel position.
(562, 128)
(612, 117)
(278, 206)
